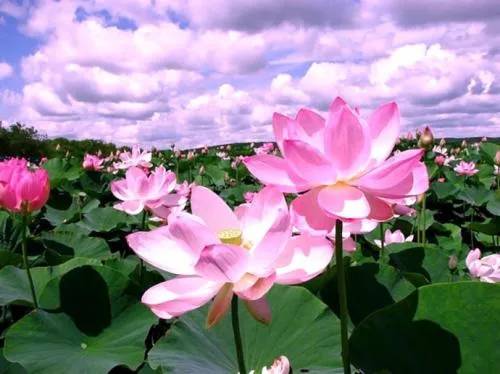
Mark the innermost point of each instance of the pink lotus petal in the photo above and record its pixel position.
(309, 163)
(308, 216)
(304, 257)
(379, 209)
(179, 295)
(258, 289)
(272, 170)
(174, 248)
(384, 125)
(346, 142)
(260, 310)
(344, 201)
(212, 210)
(131, 207)
(222, 263)
(220, 305)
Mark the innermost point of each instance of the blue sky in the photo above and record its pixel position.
(172, 71)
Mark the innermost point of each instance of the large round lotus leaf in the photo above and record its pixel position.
(440, 328)
(50, 343)
(302, 328)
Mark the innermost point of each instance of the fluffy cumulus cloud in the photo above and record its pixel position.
(171, 71)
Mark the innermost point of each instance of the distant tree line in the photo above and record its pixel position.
(25, 141)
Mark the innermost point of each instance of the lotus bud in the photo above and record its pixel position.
(58, 147)
(439, 160)
(420, 198)
(484, 139)
(497, 158)
(452, 262)
(190, 155)
(464, 144)
(426, 139)
(202, 170)
(442, 142)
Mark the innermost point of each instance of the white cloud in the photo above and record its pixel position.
(5, 70)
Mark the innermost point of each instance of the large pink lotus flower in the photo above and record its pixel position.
(393, 237)
(22, 190)
(342, 164)
(466, 168)
(92, 162)
(135, 158)
(219, 253)
(487, 269)
(139, 190)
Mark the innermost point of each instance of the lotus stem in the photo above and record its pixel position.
(237, 335)
(341, 283)
(382, 243)
(24, 244)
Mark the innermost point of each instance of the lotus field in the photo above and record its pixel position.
(346, 245)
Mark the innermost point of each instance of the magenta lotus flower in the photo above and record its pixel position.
(440, 160)
(139, 190)
(135, 158)
(92, 162)
(264, 149)
(219, 253)
(466, 168)
(393, 237)
(342, 164)
(487, 269)
(22, 190)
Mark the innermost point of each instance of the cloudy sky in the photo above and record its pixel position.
(195, 72)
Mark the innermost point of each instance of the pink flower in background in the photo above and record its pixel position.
(487, 269)
(264, 149)
(393, 237)
(219, 253)
(280, 366)
(466, 168)
(409, 136)
(139, 190)
(341, 163)
(135, 158)
(249, 196)
(439, 160)
(92, 162)
(21, 189)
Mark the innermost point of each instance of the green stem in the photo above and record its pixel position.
(423, 219)
(339, 259)
(143, 228)
(237, 335)
(382, 236)
(471, 232)
(24, 244)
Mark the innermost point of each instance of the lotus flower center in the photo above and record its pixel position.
(231, 236)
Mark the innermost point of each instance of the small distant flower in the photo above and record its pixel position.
(449, 160)
(248, 196)
(484, 139)
(139, 190)
(135, 158)
(440, 160)
(442, 142)
(409, 136)
(440, 150)
(464, 143)
(441, 180)
(201, 171)
(190, 155)
(264, 149)
(487, 269)
(393, 237)
(466, 168)
(223, 155)
(497, 170)
(497, 158)
(92, 162)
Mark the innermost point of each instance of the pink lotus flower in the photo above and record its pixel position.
(219, 253)
(487, 269)
(139, 190)
(264, 149)
(393, 237)
(466, 168)
(21, 189)
(92, 162)
(135, 158)
(439, 160)
(280, 366)
(341, 163)
(249, 196)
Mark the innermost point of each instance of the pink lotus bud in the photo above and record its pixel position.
(426, 138)
(497, 158)
(452, 262)
(21, 189)
(441, 180)
(202, 170)
(439, 160)
(280, 366)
